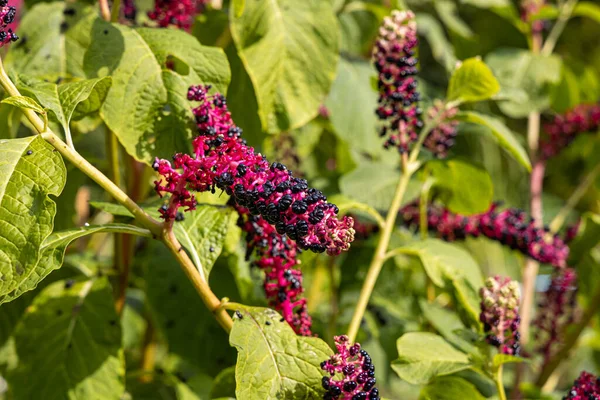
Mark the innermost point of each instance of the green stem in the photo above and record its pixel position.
(114, 13)
(565, 13)
(500, 383)
(576, 196)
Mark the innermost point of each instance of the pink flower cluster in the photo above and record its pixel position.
(586, 387)
(180, 13)
(511, 227)
(441, 138)
(223, 160)
(355, 372)
(559, 309)
(564, 128)
(277, 257)
(7, 16)
(529, 8)
(393, 56)
(500, 314)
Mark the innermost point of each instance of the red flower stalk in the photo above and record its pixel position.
(7, 16)
(500, 314)
(565, 128)
(557, 311)
(393, 56)
(511, 227)
(441, 138)
(277, 256)
(586, 387)
(223, 160)
(355, 373)
(180, 13)
(529, 8)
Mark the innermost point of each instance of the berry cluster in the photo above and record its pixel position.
(529, 8)
(564, 128)
(223, 160)
(559, 309)
(129, 10)
(512, 227)
(277, 257)
(356, 373)
(393, 56)
(7, 16)
(500, 313)
(441, 138)
(586, 387)
(180, 13)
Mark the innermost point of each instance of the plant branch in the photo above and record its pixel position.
(499, 383)
(575, 197)
(565, 13)
(571, 339)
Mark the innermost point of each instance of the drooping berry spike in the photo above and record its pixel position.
(565, 128)
(276, 255)
(558, 307)
(441, 138)
(511, 227)
(223, 160)
(7, 16)
(180, 13)
(586, 387)
(393, 56)
(500, 314)
(352, 373)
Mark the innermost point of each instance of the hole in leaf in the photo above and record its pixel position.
(177, 65)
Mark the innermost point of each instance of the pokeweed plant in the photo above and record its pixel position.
(256, 199)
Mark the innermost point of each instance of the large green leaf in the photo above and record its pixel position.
(518, 69)
(447, 323)
(146, 106)
(68, 101)
(274, 363)
(30, 171)
(501, 132)
(453, 176)
(472, 81)
(69, 344)
(450, 388)
(290, 51)
(52, 40)
(422, 356)
(53, 249)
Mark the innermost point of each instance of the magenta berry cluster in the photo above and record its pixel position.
(222, 160)
(500, 314)
(179, 13)
(559, 305)
(351, 373)
(586, 387)
(441, 138)
(7, 16)
(129, 10)
(512, 227)
(393, 56)
(529, 8)
(565, 128)
(276, 255)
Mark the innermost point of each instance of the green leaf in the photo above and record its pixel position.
(443, 260)
(587, 9)
(272, 361)
(290, 51)
(518, 69)
(450, 388)
(52, 41)
(24, 103)
(354, 121)
(447, 323)
(67, 101)
(500, 359)
(501, 132)
(467, 298)
(30, 171)
(448, 13)
(588, 237)
(224, 384)
(472, 81)
(566, 94)
(146, 106)
(452, 176)
(69, 344)
(53, 250)
(441, 48)
(238, 7)
(422, 356)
